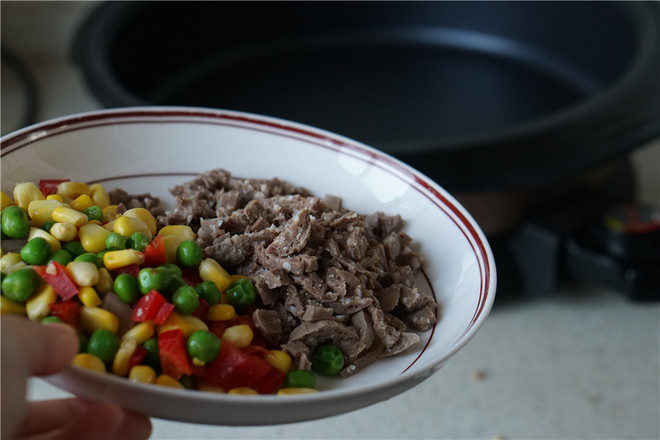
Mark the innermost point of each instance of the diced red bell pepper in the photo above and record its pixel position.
(154, 253)
(174, 358)
(191, 276)
(137, 357)
(202, 308)
(270, 382)
(163, 313)
(233, 368)
(131, 269)
(256, 350)
(49, 186)
(218, 327)
(56, 276)
(68, 311)
(147, 307)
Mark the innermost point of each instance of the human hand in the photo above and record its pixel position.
(34, 349)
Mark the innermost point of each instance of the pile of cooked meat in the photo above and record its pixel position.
(323, 273)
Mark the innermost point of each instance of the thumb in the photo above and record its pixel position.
(39, 349)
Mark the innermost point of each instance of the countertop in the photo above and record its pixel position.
(582, 362)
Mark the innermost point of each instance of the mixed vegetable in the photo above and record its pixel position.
(146, 302)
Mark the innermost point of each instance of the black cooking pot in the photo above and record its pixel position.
(479, 96)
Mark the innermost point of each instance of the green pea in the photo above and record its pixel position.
(103, 344)
(114, 241)
(15, 222)
(209, 291)
(74, 247)
(187, 381)
(51, 319)
(327, 359)
(186, 300)
(138, 241)
(299, 379)
(173, 269)
(189, 253)
(62, 256)
(94, 212)
(83, 341)
(176, 282)
(126, 287)
(241, 293)
(47, 225)
(153, 278)
(203, 345)
(19, 285)
(35, 251)
(90, 257)
(152, 358)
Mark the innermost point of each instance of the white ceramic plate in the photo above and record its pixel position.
(152, 149)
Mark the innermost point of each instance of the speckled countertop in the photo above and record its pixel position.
(582, 363)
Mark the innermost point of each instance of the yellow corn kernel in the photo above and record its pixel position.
(5, 200)
(26, 192)
(123, 356)
(110, 225)
(106, 283)
(20, 265)
(279, 359)
(186, 323)
(240, 335)
(210, 270)
(40, 211)
(83, 273)
(205, 386)
(38, 306)
(244, 391)
(52, 241)
(220, 312)
(57, 197)
(93, 318)
(140, 333)
(235, 277)
(9, 307)
(92, 237)
(89, 297)
(168, 381)
(82, 202)
(171, 243)
(109, 213)
(89, 361)
(68, 215)
(144, 216)
(295, 391)
(73, 189)
(124, 257)
(64, 231)
(142, 374)
(126, 225)
(8, 260)
(182, 231)
(99, 196)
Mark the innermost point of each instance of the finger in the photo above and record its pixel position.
(135, 427)
(29, 348)
(44, 349)
(46, 415)
(105, 421)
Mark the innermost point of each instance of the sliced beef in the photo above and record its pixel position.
(327, 331)
(269, 323)
(323, 273)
